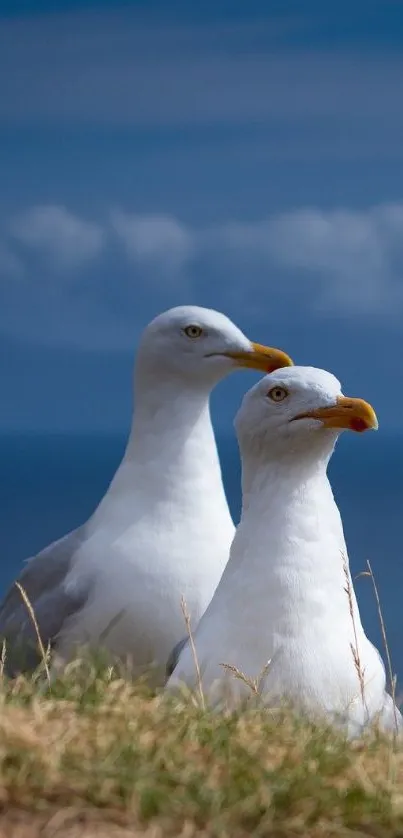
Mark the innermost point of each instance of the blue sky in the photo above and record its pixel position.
(245, 156)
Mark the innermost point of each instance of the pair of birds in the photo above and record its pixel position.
(163, 531)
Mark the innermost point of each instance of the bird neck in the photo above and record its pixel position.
(171, 442)
(290, 539)
(266, 475)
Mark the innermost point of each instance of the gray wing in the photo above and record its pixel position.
(174, 657)
(43, 581)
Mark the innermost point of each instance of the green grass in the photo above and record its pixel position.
(100, 756)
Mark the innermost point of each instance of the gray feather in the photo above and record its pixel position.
(174, 656)
(42, 579)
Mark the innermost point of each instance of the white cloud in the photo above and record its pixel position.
(66, 241)
(353, 260)
(315, 262)
(341, 259)
(157, 240)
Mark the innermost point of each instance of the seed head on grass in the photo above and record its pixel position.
(255, 685)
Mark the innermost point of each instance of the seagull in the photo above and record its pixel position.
(163, 530)
(285, 608)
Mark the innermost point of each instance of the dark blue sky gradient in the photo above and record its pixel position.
(207, 115)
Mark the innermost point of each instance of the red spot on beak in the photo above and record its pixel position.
(358, 425)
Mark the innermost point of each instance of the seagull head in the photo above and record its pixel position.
(299, 407)
(200, 345)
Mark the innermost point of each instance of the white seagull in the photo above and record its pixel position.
(282, 599)
(163, 529)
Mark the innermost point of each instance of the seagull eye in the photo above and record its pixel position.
(277, 394)
(193, 331)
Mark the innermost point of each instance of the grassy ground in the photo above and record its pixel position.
(99, 756)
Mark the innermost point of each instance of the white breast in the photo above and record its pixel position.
(282, 599)
(163, 531)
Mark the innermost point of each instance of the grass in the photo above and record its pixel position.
(95, 755)
(100, 756)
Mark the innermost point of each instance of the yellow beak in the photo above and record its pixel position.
(264, 358)
(352, 414)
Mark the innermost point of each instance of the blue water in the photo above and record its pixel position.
(50, 484)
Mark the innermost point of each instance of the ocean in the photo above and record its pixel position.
(51, 484)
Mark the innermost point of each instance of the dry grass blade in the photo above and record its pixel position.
(262, 676)
(3, 658)
(392, 678)
(31, 613)
(186, 615)
(354, 647)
